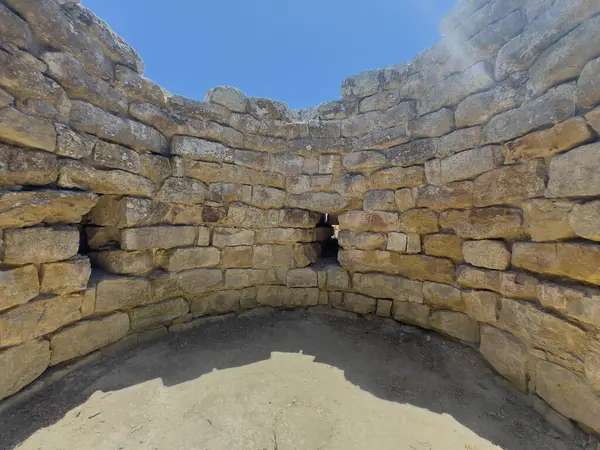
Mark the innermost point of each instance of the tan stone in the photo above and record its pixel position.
(484, 223)
(481, 107)
(179, 259)
(236, 256)
(26, 167)
(438, 295)
(337, 279)
(434, 124)
(241, 278)
(481, 305)
(378, 285)
(568, 393)
(369, 221)
(306, 254)
(488, 254)
(574, 173)
(384, 308)
(38, 318)
(71, 144)
(444, 245)
(27, 130)
(118, 292)
(199, 281)
(579, 303)
(164, 285)
(466, 165)
(154, 167)
(65, 277)
(419, 221)
(379, 201)
(40, 245)
(456, 325)
(359, 304)
(411, 313)
(592, 365)
(22, 364)
(542, 330)
(546, 143)
(22, 209)
(152, 316)
(585, 220)
(102, 237)
(18, 286)
(573, 260)
(117, 211)
(325, 202)
(510, 185)
(587, 85)
(474, 278)
(547, 220)
(458, 195)
(267, 255)
(200, 149)
(406, 198)
(397, 242)
(158, 237)
(282, 296)
(518, 285)
(216, 303)
(113, 156)
(85, 337)
(124, 262)
(397, 177)
(304, 277)
(362, 241)
(186, 191)
(593, 119)
(506, 354)
(284, 235)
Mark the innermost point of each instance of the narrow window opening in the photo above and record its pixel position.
(327, 235)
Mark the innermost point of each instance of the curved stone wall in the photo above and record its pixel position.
(465, 185)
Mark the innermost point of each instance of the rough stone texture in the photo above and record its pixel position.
(488, 254)
(482, 305)
(153, 316)
(27, 130)
(26, 167)
(388, 286)
(22, 364)
(158, 237)
(442, 296)
(456, 325)
(585, 220)
(121, 293)
(506, 354)
(548, 220)
(18, 286)
(65, 277)
(484, 223)
(578, 303)
(40, 245)
(588, 94)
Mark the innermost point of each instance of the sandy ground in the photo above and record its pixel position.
(294, 380)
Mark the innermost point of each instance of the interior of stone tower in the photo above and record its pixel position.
(415, 265)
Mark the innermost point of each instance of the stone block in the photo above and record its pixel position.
(200, 149)
(267, 197)
(18, 286)
(579, 303)
(268, 255)
(232, 257)
(397, 242)
(87, 336)
(306, 254)
(518, 285)
(397, 177)
(369, 221)
(547, 220)
(361, 85)
(113, 156)
(40, 245)
(510, 185)
(102, 237)
(337, 279)
(379, 101)
(179, 259)
(164, 285)
(118, 293)
(474, 278)
(284, 235)
(26, 167)
(416, 152)
(199, 281)
(484, 223)
(282, 296)
(26, 208)
(221, 302)
(457, 195)
(231, 237)
(384, 308)
(305, 277)
(363, 240)
(158, 237)
(242, 278)
(572, 260)
(65, 277)
(71, 144)
(506, 354)
(455, 324)
(584, 220)
(325, 202)
(487, 254)
(479, 108)
(121, 212)
(458, 141)
(419, 221)
(442, 296)
(22, 364)
(593, 119)
(588, 95)
(379, 201)
(411, 313)
(230, 97)
(186, 191)
(158, 314)
(431, 125)
(467, 165)
(154, 167)
(359, 304)
(384, 139)
(592, 365)
(392, 287)
(124, 262)
(481, 305)
(15, 30)
(27, 130)
(444, 245)
(364, 161)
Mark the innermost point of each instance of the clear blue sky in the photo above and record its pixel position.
(297, 51)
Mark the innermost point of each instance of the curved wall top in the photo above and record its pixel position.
(465, 183)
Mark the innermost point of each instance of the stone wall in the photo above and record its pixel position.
(466, 185)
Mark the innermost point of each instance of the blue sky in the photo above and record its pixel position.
(297, 51)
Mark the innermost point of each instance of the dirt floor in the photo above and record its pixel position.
(284, 381)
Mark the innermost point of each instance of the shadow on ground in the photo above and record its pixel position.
(399, 364)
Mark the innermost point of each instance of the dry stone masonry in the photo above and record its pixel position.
(466, 186)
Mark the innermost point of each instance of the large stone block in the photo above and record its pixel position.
(518, 285)
(38, 318)
(231, 237)
(40, 245)
(592, 365)
(547, 220)
(124, 262)
(379, 201)
(411, 313)
(412, 153)
(456, 325)
(579, 303)
(23, 209)
(158, 237)
(482, 305)
(442, 296)
(458, 141)
(397, 177)
(506, 354)
(87, 336)
(474, 278)
(541, 329)
(568, 393)
(464, 165)
(200, 149)
(337, 279)
(182, 190)
(573, 260)
(406, 198)
(419, 221)
(325, 202)
(282, 296)
(284, 235)
(71, 144)
(242, 278)
(199, 281)
(443, 245)
(359, 304)
(588, 94)
(479, 108)
(65, 277)
(216, 303)
(304, 277)
(362, 241)
(230, 97)
(21, 166)
(22, 364)
(369, 221)
(27, 130)
(153, 316)
(364, 161)
(434, 124)
(121, 212)
(179, 259)
(121, 293)
(388, 286)
(585, 220)
(484, 223)
(457, 195)
(268, 255)
(240, 256)
(510, 185)
(18, 286)
(15, 30)
(486, 253)
(114, 156)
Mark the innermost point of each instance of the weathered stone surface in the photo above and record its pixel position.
(379, 101)
(464, 165)
(362, 84)
(230, 97)
(397, 242)
(362, 241)
(488, 254)
(24, 363)
(359, 304)
(574, 174)
(443, 245)
(136, 87)
(481, 305)
(588, 94)
(282, 296)
(40, 245)
(518, 285)
(546, 143)
(568, 393)
(364, 161)
(540, 329)
(124, 262)
(231, 237)
(85, 337)
(74, 174)
(396, 288)
(592, 365)
(584, 220)
(397, 177)
(411, 313)
(406, 198)
(438, 295)
(305, 277)
(200, 149)
(419, 221)
(434, 124)
(379, 201)
(237, 256)
(384, 139)
(19, 166)
(38, 318)
(163, 286)
(369, 221)
(510, 185)
(457, 195)
(266, 256)
(179, 259)
(484, 223)
(117, 211)
(416, 152)
(456, 325)
(65, 277)
(15, 30)
(547, 220)
(152, 316)
(306, 254)
(506, 354)
(479, 108)
(579, 303)
(242, 278)
(419, 267)
(555, 106)
(326, 202)
(198, 281)
(71, 144)
(216, 303)
(158, 237)
(460, 140)
(113, 156)
(186, 191)
(115, 292)
(573, 260)
(22, 209)
(566, 59)
(18, 286)
(474, 278)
